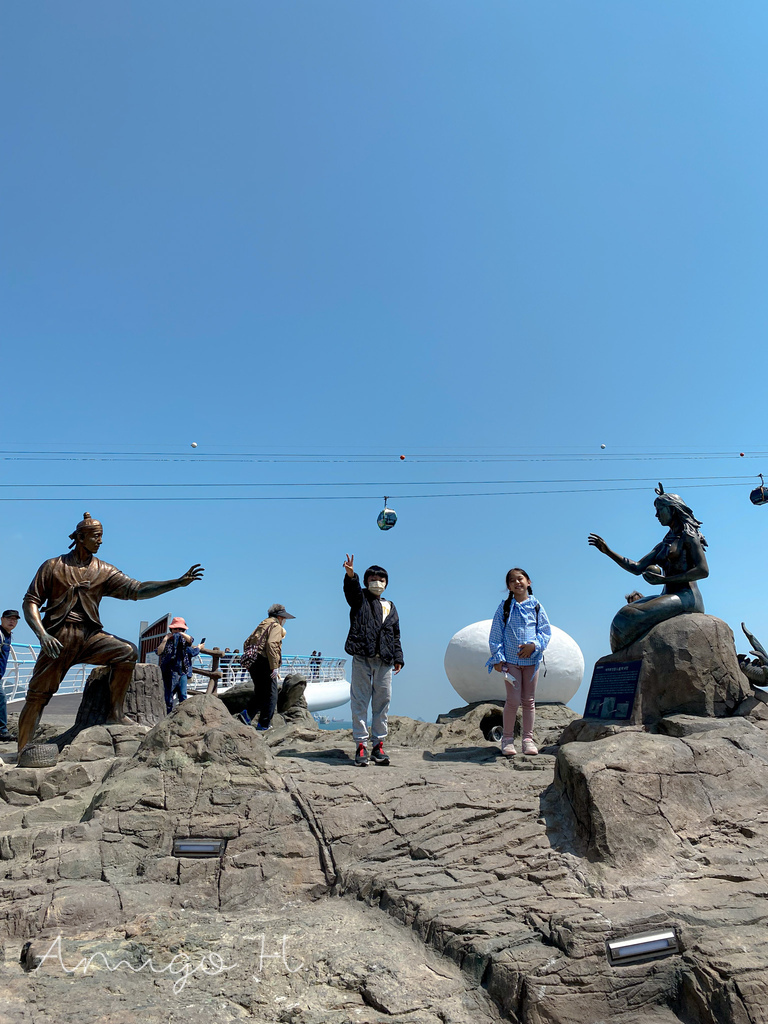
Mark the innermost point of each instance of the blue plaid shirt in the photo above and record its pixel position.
(520, 629)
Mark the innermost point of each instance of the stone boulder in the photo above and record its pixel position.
(201, 772)
(689, 668)
(144, 701)
(291, 701)
(641, 800)
(100, 741)
(201, 731)
(238, 698)
(475, 722)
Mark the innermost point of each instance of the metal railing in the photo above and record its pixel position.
(21, 664)
(314, 670)
(22, 658)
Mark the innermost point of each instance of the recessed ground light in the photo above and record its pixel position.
(642, 947)
(199, 847)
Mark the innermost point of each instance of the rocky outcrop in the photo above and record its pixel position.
(640, 799)
(291, 701)
(551, 720)
(144, 701)
(452, 886)
(689, 668)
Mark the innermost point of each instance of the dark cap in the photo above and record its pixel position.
(277, 611)
(11, 613)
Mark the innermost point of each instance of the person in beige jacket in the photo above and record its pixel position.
(262, 655)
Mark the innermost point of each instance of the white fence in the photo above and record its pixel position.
(314, 670)
(21, 663)
(22, 658)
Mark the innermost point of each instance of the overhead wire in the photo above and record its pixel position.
(353, 497)
(539, 455)
(299, 458)
(379, 483)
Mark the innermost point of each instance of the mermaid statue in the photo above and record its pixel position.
(677, 563)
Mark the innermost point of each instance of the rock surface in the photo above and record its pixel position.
(689, 668)
(291, 701)
(453, 886)
(144, 701)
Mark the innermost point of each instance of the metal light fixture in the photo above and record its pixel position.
(199, 847)
(642, 947)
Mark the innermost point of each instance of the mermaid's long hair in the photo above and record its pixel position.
(688, 523)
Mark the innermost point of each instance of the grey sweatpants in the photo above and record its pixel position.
(371, 683)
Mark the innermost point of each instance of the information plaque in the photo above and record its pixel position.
(612, 690)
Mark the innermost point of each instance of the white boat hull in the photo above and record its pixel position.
(320, 694)
(326, 694)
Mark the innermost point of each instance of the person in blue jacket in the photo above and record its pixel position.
(8, 622)
(176, 652)
(519, 636)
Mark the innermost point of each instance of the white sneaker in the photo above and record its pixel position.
(530, 748)
(508, 747)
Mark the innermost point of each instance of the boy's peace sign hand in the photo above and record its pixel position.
(349, 565)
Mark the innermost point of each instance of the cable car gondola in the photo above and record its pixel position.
(760, 494)
(387, 517)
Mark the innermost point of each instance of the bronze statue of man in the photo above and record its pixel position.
(68, 590)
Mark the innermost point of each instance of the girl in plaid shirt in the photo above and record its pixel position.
(519, 636)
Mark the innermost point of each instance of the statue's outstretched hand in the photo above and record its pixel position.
(50, 645)
(195, 572)
(597, 542)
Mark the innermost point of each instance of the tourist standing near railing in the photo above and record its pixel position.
(262, 655)
(315, 661)
(225, 662)
(176, 653)
(8, 622)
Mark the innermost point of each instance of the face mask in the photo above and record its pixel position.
(377, 587)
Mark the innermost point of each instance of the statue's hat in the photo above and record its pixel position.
(87, 523)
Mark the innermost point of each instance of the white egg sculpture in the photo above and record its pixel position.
(559, 677)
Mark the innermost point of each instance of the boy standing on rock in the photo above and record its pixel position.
(374, 643)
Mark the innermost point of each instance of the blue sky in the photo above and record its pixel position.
(349, 230)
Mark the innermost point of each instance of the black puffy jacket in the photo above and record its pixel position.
(369, 637)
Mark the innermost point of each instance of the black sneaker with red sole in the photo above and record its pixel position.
(378, 756)
(361, 757)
